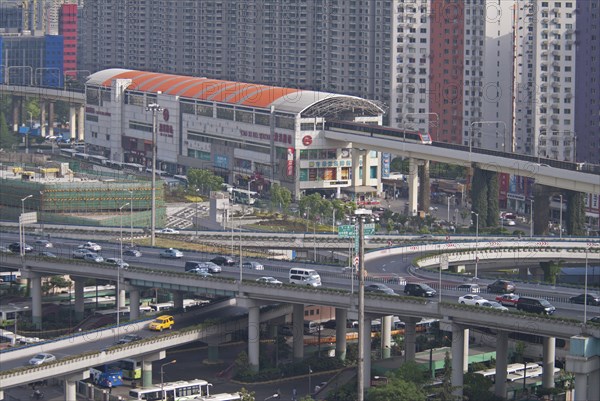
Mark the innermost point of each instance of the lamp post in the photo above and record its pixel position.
(250, 182)
(486, 122)
(309, 380)
(360, 215)
(155, 109)
(22, 226)
(560, 217)
(476, 243)
(531, 218)
(241, 254)
(449, 197)
(130, 217)
(119, 266)
(14, 339)
(333, 222)
(162, 376)
(585, 285)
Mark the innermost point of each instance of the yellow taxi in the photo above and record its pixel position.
(161, 323)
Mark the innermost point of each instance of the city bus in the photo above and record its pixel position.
(244, 196)
(174, 391)
(132, 369)
(105, 374)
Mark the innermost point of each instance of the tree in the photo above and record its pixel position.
(204, 180)
(412, 372)
(397, 390)
(247, 395)
(551, 270)
(281, 197)
(575, 218)
(56, 282)
(7, 140)
(445, 392)
(479, 197)
(493, 208)
(477, 387)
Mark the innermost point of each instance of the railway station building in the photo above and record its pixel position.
(251, 135)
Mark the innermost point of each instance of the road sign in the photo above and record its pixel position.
(444, 262)
(369, 229)
(28, 218)
(346, 231)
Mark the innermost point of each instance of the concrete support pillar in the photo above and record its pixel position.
(73, 122)
(341, 316)
(79, 299)
(424, 187)
(466, 351)
(410, 338)
(356, 158)
(413, 188)
(80, 123)
(366, 338)
(134, 304)
(122, 299)
(43, 118)
(501, 363)
(365, 168)
(581, 387)
(147, 373)
(35, 281)
(458, 345)
(298, 328)
(386, 337)
(548, 357)
(16, 104)
(253, 337)
(177, 299)
(71, 382)
(51, 118)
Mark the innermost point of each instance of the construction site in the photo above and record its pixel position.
(61, 196)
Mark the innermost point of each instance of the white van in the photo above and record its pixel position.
(311, 327)
(302, 276)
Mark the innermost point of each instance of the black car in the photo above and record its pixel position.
(132, 252)
(502, 286)
(379, 289)
(419, 290)
(16, 247)
(128, 338)
(223, 261)
(592, 299)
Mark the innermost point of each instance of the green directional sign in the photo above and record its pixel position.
(369, 229)
(346, 231)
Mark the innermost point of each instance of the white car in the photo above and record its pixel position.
(268, 280)
(471, 299)
(171, 253)
(42, 357)
(167, 231)
(93, 257)
(80, 253)
(493, 305)
(91, 246)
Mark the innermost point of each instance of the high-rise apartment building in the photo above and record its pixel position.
(67, 28)
(422, 58)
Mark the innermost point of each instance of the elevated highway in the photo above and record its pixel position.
(75, 98)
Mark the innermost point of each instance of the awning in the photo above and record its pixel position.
(360, 189)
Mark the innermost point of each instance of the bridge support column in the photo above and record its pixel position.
(80, 123)
(79, 299)
(178, 299)
(298, 329)
(147, 367)
(71, 381)
(386, 337)
(413, 189)
(365, 335)
(35, 281)
(51, 118)
(253, 337)
(466, 351)
(134, 304)
(122, 299)
(341, 316)
(424, 187)
(410, 338)
(458, 356)
(72, 122)
(501, 363)
(548, 358)
(43, 118)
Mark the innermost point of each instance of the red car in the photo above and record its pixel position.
(508, 299)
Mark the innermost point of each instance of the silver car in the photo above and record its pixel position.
(42, 357)
(93, 257)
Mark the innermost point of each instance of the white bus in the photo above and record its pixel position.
(174, 391)
(244, 196)
(214, 397)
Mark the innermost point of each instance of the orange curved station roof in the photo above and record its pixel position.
(244, 94)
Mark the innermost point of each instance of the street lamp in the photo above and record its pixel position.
(476, 242)
(449, 197)
(162, 373)
(560, 217)
(155, 109)
(531, 218)
(14, 339)
(585, 291)
(22, 226)
(360, 215)
(119, 266)
(250, 182)
(486, 122)
(130, 217)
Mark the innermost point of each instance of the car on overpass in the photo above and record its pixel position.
(132, 252)
(471, 299)
(268, 280)
(379, 288)
(592, 299)
(171, 253)
(16, 247)
(223, 261)
(492, 305)
(91, 246)
(93, 257)
(502, 286)
(80, 253)
(42, 357)
(508, 300)
(167, 231)
(161, 323)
